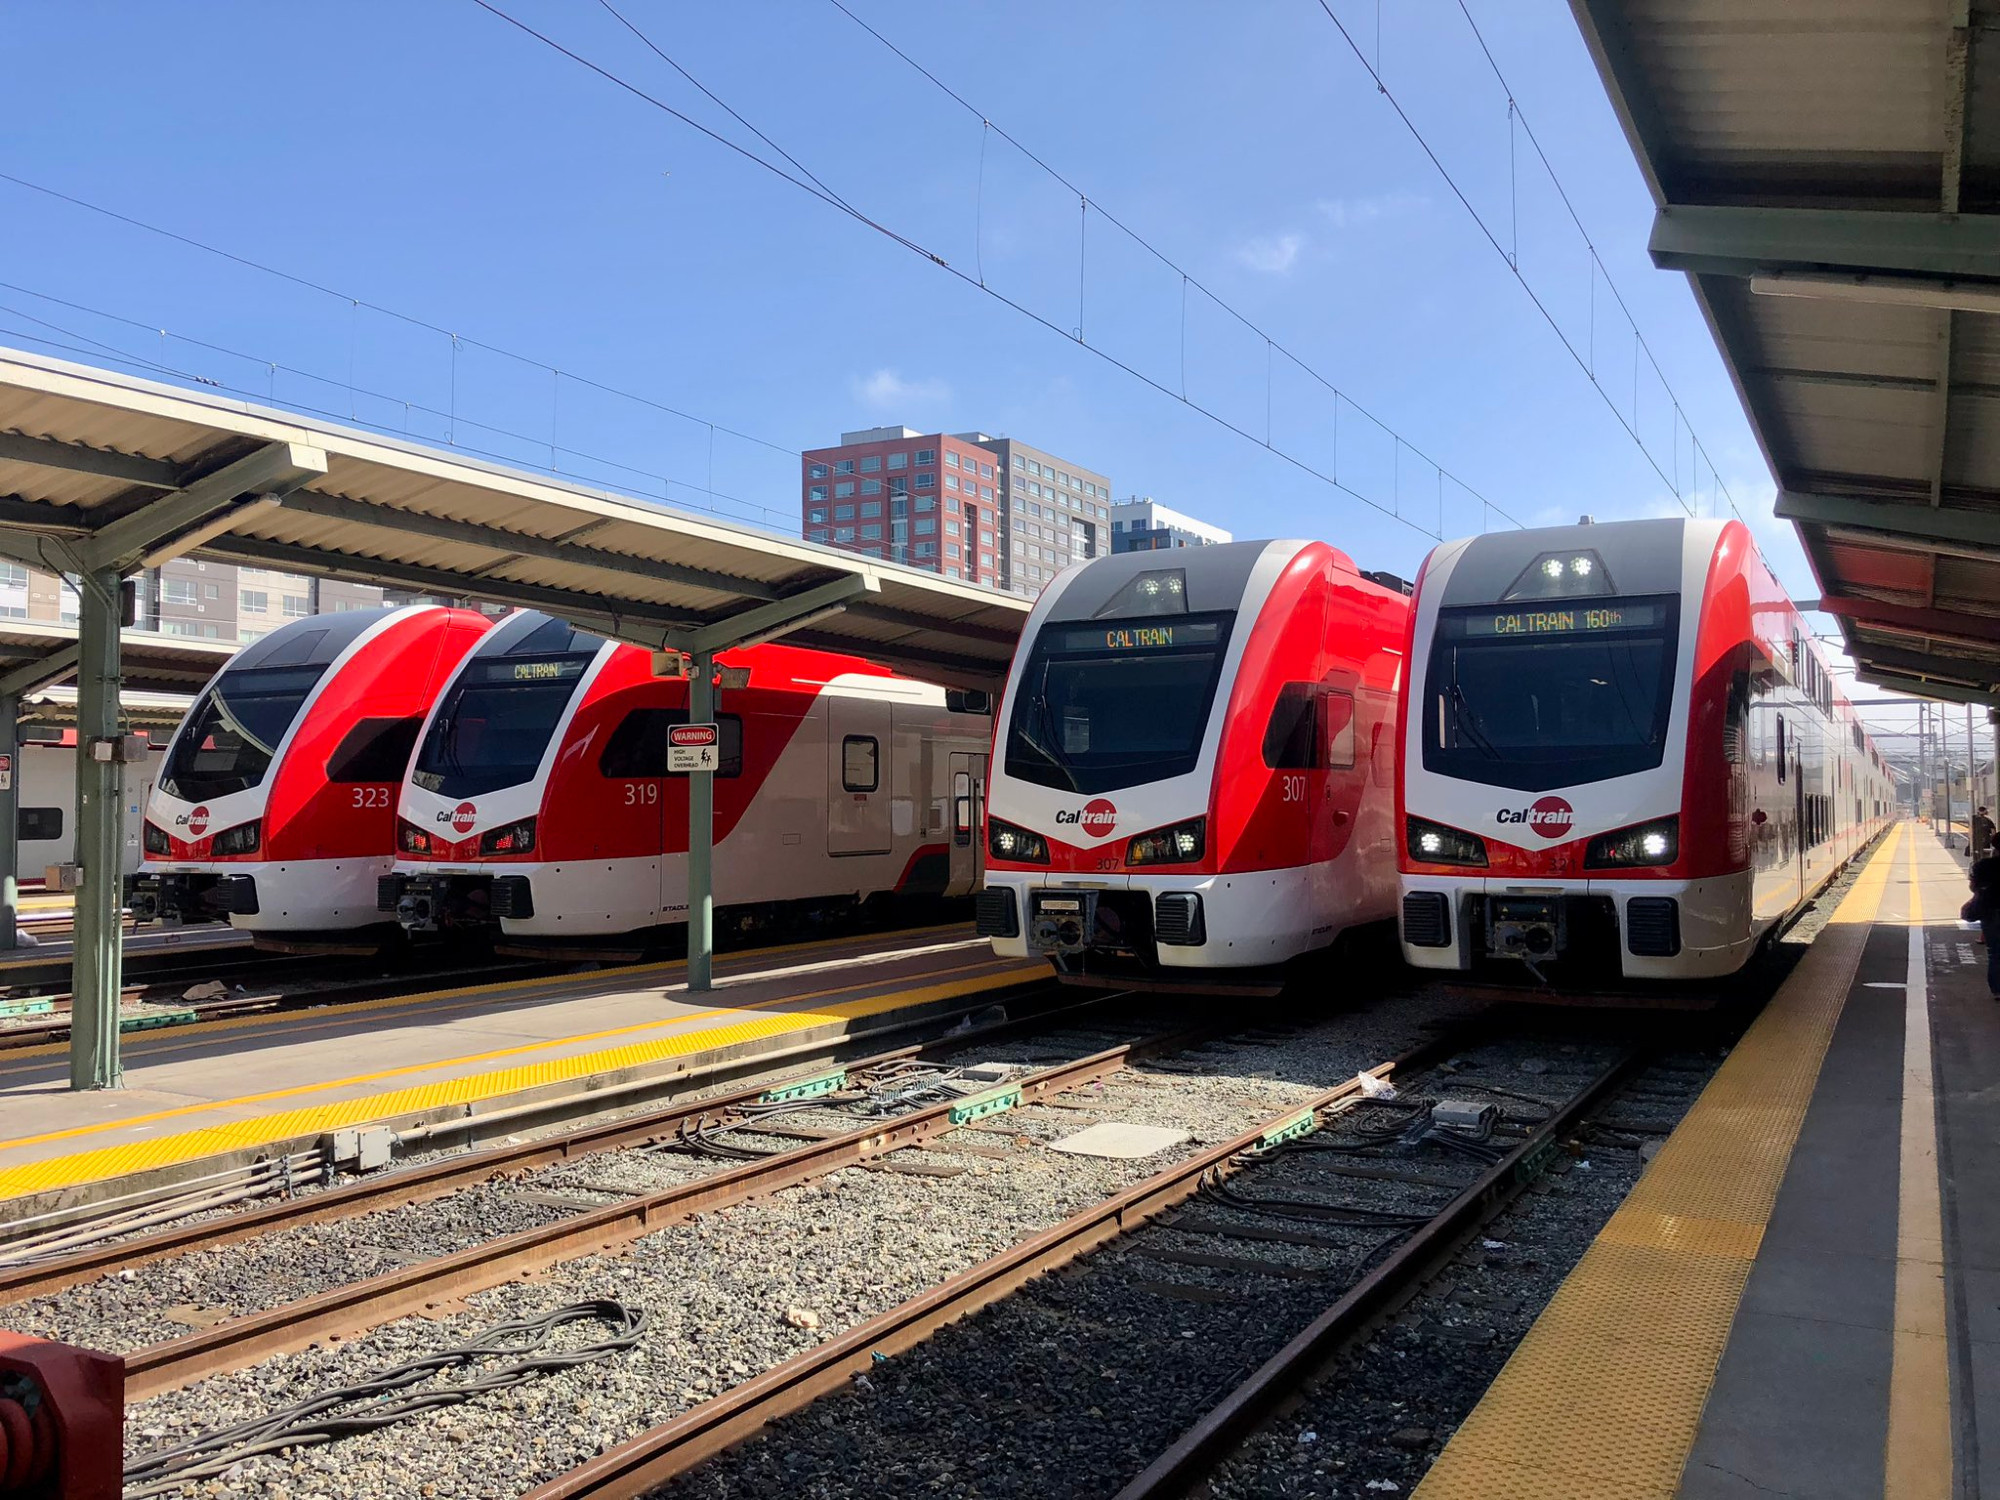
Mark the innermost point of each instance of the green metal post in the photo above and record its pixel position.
(100, 827)
(701, 835)
(10, 820)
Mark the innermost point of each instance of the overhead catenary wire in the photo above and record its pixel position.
(1585, 361)
(814, 188)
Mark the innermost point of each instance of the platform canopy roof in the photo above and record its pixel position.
(1827, 172)
(159, 670)
(108, 471)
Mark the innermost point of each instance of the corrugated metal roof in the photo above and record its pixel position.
(1827, 172)
(152, 663)
(399, 513)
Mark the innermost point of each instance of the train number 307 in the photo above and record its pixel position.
(1294, 788)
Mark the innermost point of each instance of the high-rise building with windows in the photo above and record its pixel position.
(193, 597)
(990, 510)
(927, 499)
(1145, 525)
(1056, 512)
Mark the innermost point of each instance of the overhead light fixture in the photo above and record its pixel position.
(1890, 291)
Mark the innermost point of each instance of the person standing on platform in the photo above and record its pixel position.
(1982, 834)
(1984, 908)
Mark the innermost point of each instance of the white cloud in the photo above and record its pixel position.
(889, 393)
(1270, 254)
(1348, 213)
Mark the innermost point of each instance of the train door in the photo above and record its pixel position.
(632, 767)
(859, 806)
(968, 820)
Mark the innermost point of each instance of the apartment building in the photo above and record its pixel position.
(1144, 525)
(990, 510)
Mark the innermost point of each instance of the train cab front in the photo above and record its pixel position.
(1543, 831)
(469, 835)
(1099, 856)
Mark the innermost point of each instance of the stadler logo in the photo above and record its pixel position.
(1551, 817)
(1096, 817)
(198, 822)
(462, 816)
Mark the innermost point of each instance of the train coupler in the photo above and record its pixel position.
(62, 1419)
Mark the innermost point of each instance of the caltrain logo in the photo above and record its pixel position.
(197, 822)
(1096, 817)
(1551, 817)
(460, 817)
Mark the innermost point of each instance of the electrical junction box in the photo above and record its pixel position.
(1474, 1116)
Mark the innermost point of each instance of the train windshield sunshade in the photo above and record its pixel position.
(232, 733)
(1537, 696)
(495, 722)
(1116, 703)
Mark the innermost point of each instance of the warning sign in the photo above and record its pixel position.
(6, 773)
(694, 747)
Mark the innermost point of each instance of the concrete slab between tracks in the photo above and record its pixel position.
(1801, 1296)
(228, 1093)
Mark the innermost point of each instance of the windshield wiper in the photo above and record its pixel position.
(1044, 725)
(1468, 722)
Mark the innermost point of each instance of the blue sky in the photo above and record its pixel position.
(433, 160)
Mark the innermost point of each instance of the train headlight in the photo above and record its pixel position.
(1434, 844)
(1552, 568)
(156, 840)
(1180, 844)
(1015, 845)
(1654, 843)
(1580, 566)
(244, 838)
(411, 839)
(515, 838)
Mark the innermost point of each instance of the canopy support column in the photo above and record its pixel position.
(701, 836)
(97, 970)
(10, 820)
(763, 623)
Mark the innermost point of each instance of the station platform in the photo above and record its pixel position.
(1801, 1295)
(230, 1090)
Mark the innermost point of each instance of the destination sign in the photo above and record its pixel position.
(512, 669)
(1578, 619)
(1136, 636)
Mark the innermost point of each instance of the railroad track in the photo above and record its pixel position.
(718, 1141)
(1298, 1232)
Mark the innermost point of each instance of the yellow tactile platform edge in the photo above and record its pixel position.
(1603, 1396)
(213, 1140)
(726, 966)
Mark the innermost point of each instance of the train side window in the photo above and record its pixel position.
(1289, 736)
(375, 750)
(638, 746)
(1781, 749)
(961, 808)
(860, 763)
(1337, 734)
(35, 823)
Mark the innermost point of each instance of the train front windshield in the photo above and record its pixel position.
(496, 721)
(232, 734)
(1110, 704)
(1532, 698)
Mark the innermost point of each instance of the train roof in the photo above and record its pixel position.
(1639, 557)
(315, 641)
(1216, 577)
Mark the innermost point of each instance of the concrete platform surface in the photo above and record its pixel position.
(201, 1092)
(1801, 1296)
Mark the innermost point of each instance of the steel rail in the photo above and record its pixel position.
(639, 1466)
(411, 1186)
(247, 1340)
(1194, 1455)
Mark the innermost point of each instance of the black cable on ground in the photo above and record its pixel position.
(373, 1403)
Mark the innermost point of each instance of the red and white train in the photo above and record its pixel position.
(275, 803)
(1194, 764)
(538, 807)
(1622, 755)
